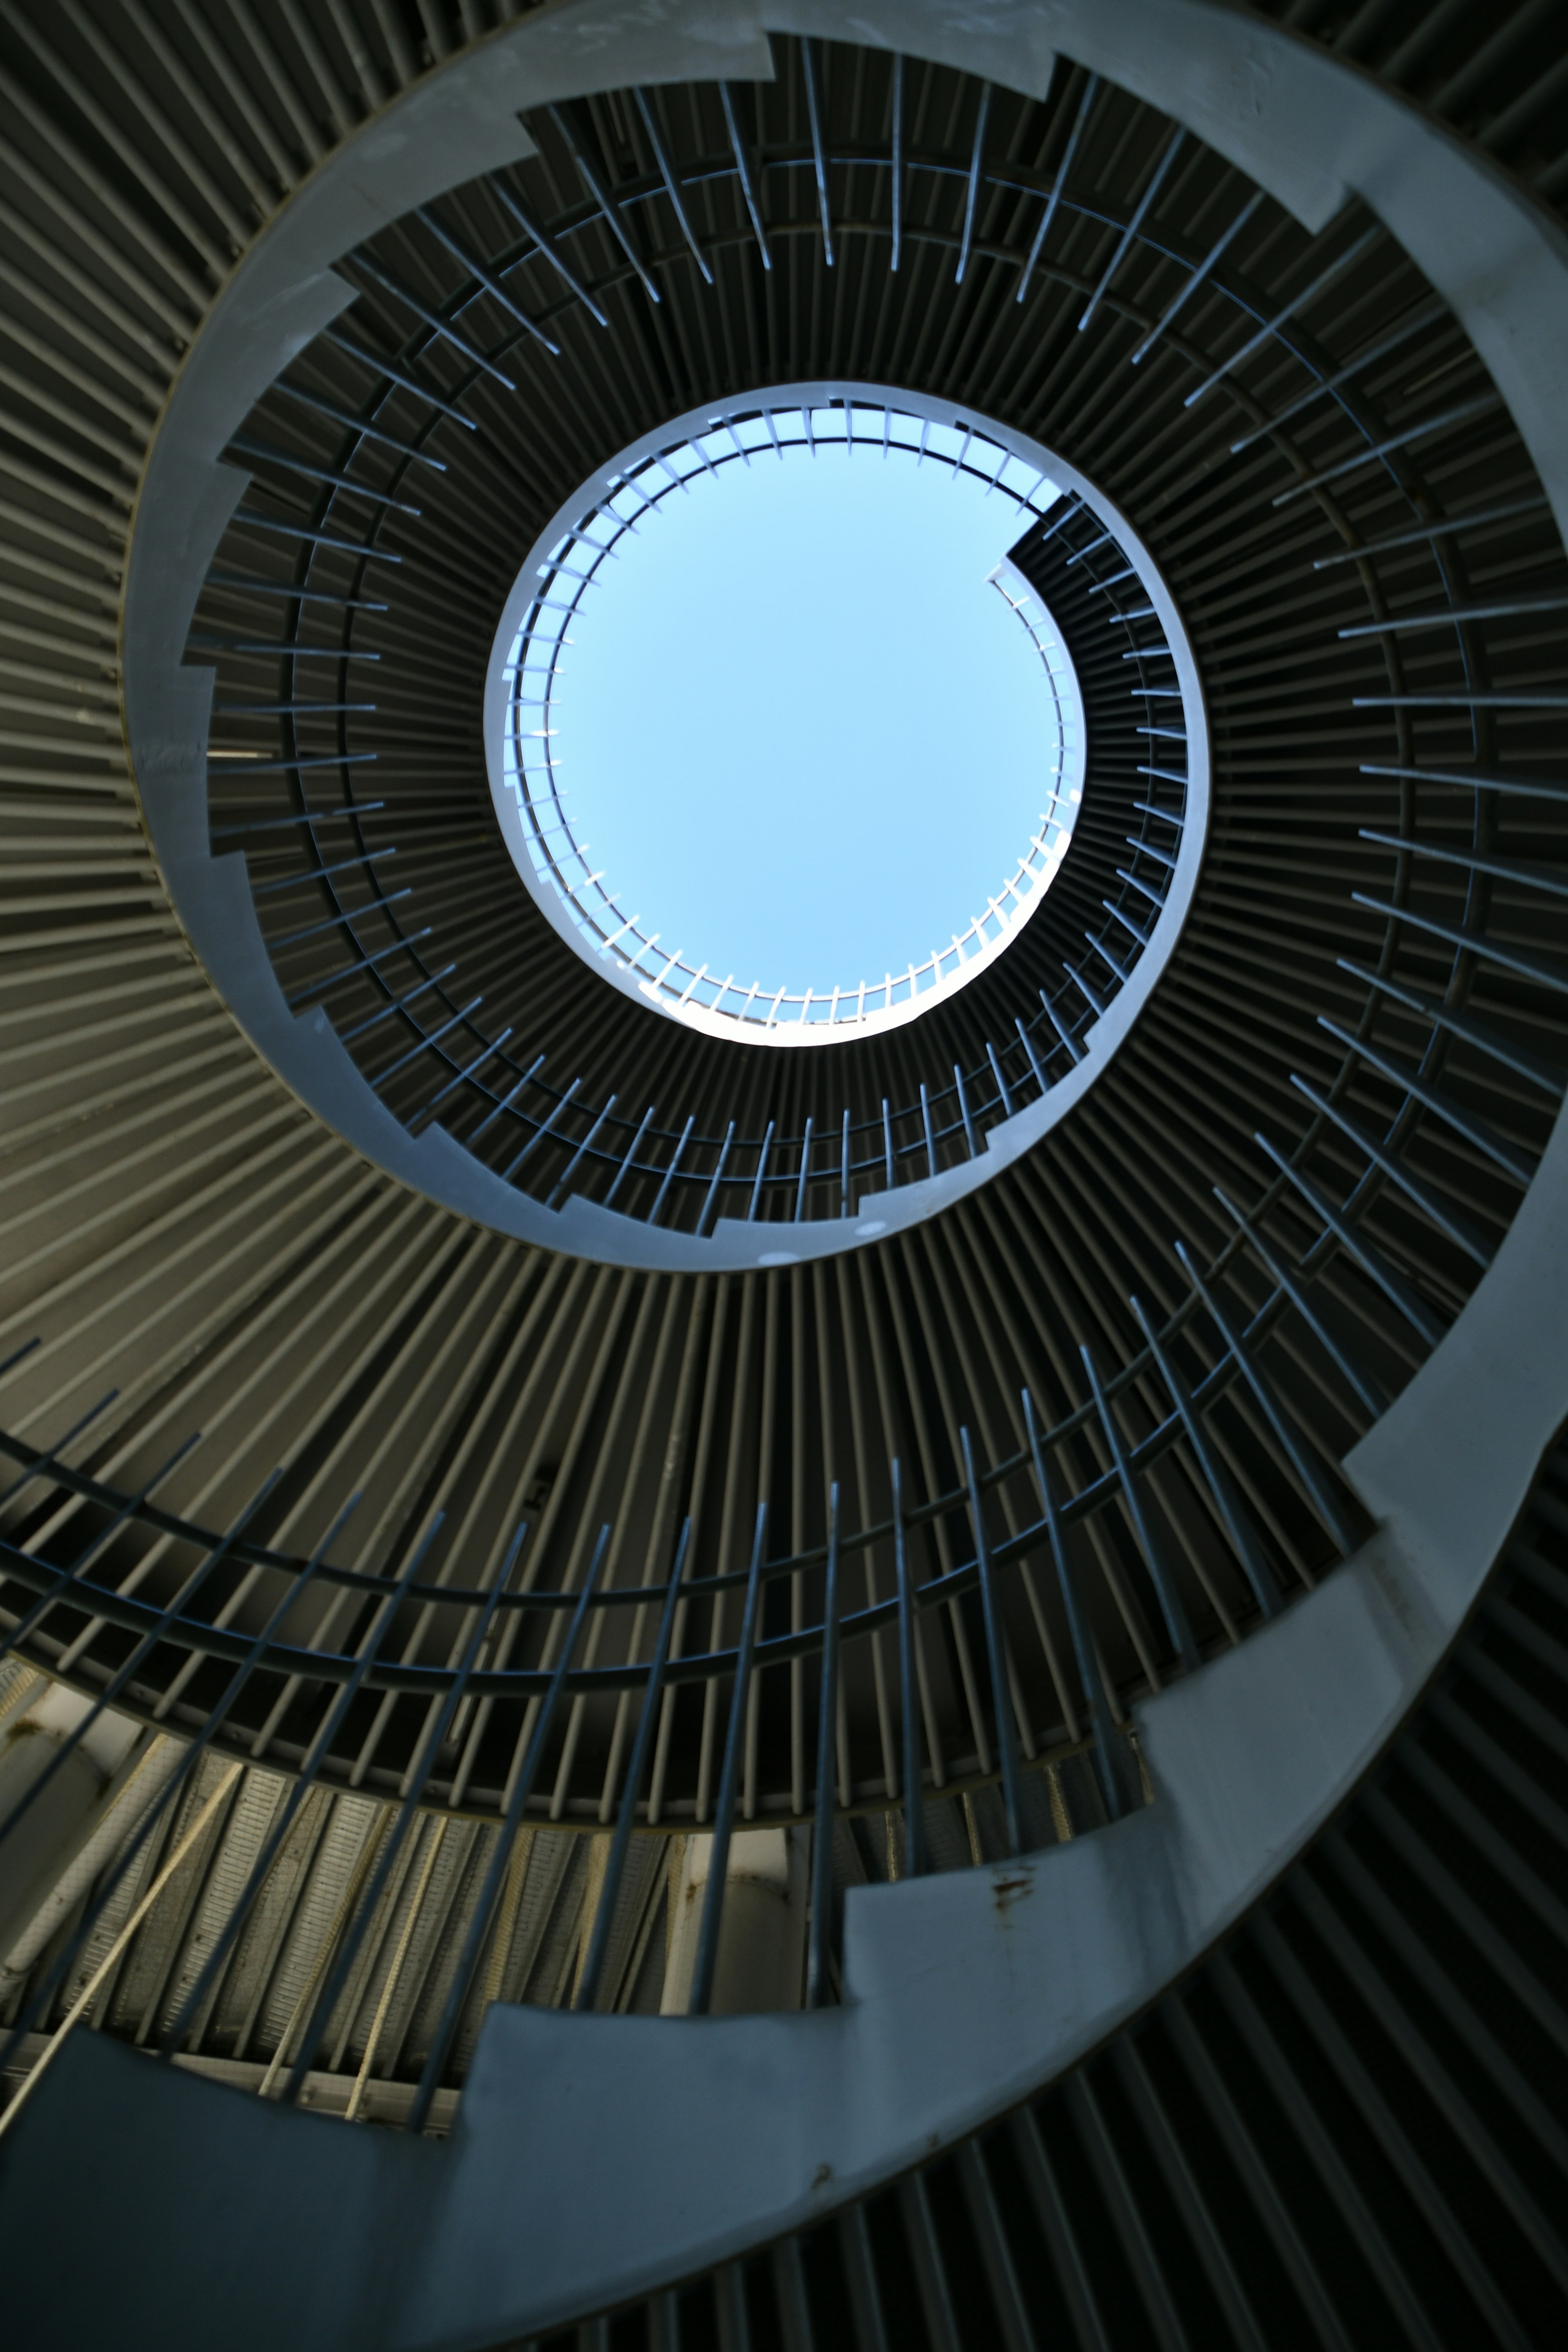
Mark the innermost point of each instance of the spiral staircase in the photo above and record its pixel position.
(906, 1691)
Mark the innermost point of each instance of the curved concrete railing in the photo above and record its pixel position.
(596, 2156)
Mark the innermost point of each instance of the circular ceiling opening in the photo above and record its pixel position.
(786, 745)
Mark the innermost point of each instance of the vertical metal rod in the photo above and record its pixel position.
(631, 1155)
(844, 1171)
(315, 1756)
(67, 1577)
(1306, 1469)
(647, 1723)
(545, 1128)
(213, 1560)
(1248, 1549)
(761, 1171)
(1173, 150)
(653, 1214)
(1027, 1043)
(887, 1143)
(897, 161)
(564, 1178)
(805, 1171)
(743, 169)
(1063, 168)
(1299, 1299)
(963, 1110)
(1078, 1627)
(546, 245)
(819, 159)
(972, 193)
(909, 1692)
(1006, 1100)
(718, 1177)
(103, 1893)
(930, 1139)
(1172, 1607)
(596, 189)
(483, 1917)
(348, 1950)
(995, 1651)
(1075, 1050)
(41, 1467)
(819, 1984)
(508, 1100)
(1199, 275)
(701, 1994)
(671, 185)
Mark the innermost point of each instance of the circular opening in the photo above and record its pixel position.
(788, 741)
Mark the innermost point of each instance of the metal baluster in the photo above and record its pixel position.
(483, 1919)
(818, 1985)
(599, 1941)
(909, 1692)
(1078, 1627)
(996, 1658)
(703, 1976)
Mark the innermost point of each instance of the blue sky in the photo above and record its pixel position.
(801, 734)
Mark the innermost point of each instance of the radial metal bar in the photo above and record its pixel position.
(757, 1180)
(701, 1994)
(930, 1132)
(1244, 1538)
(545, 1128)
(819, 1983)
(743, 168)
(671, 185)
(59, 1585)
(564, 1178)
(103, 1893)
(718, 1177)
(384, 368)
(589, 174)
(1324, 1501)
(433, 318)
(972, 189)
(1374, 1404)
(674, 1159)
(1392, 1283)
(336, 1979)
(818, 155)
(1272, 326)
(1210, 260)
(631, 1154)
(304, 1782)
(486, 278)
(1451, 526)
(647, 1723)
(1090, 89)
(508, 1100)
(804, 1173)
(482, 1919)
(996, 1658)
(1459, 414)
(1476, 1132)
(546, 246)
(466, 1071)
(1548, 1076)
(908, 1691)
(126, 1670)
(897, 161)
(1172, 1606)
(1157, 181)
